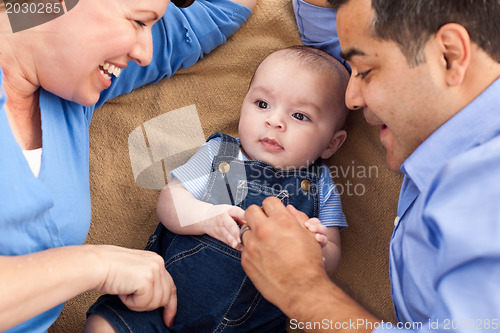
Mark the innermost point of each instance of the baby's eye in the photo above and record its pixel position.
(262, 105)
(300, 116)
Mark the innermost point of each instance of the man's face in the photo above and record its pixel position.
(402, 100)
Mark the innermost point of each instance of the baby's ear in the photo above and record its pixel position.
(337, 140)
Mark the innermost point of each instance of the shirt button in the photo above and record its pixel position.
(224, 167)
(305, 185)
(396, 221)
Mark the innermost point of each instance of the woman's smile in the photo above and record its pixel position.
(108, 69)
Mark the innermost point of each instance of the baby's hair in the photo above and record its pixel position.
(325, 64)
(313, 56)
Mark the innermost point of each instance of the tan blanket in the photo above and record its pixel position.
(134, 140)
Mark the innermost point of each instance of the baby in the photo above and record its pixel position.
(291, 119)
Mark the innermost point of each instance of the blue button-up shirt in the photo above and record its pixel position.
(445, 249)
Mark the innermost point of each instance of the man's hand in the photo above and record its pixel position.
(281, 257)
(285, 262)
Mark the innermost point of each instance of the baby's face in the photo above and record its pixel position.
(289, 115)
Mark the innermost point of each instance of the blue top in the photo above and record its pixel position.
(318, 28)
(195, 174)
(445, 249)
(54, 209)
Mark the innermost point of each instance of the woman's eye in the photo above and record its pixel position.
(300, 116)
(263, 105)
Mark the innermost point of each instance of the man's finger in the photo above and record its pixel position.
(244, 229)
(299, 216)
(240, 221)
(254, 215)
(273, 206)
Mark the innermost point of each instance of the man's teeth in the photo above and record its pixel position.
(111, 69)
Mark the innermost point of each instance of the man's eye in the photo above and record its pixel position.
(300, 116)
(363, 74)
(263, 105)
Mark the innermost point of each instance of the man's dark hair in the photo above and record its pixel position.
(410, 23)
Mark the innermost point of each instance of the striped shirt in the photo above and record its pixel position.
(195, 173)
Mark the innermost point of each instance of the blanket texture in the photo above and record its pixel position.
(137, 138)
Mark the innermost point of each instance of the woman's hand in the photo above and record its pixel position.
(32, 284)
(223, 224)
(139, 278)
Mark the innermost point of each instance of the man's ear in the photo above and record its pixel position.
(337, 140)
(455, 47)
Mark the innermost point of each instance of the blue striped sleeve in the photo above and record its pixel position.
(330, 209)
(194, 174)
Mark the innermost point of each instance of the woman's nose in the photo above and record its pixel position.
(142, 53)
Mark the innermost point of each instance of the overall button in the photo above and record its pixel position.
(305, 185)
(224, 167)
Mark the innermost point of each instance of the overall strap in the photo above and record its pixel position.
(229, 146)
(225, 172)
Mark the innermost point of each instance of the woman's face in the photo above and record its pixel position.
(95, 39)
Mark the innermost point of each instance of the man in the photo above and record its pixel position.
(426, 73)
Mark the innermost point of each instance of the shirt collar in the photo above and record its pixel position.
(3, 96)
(477, 122)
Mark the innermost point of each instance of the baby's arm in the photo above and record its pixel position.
(317, 24)
(329, 239)
(180, 212)
(319, 3)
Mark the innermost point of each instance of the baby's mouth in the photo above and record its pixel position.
(108, 69)
(271, 144)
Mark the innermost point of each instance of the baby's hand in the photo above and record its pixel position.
(314, 225)
(223, 225)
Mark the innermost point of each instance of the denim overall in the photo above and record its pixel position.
(214, 294)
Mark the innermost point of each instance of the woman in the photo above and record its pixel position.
(52, 77)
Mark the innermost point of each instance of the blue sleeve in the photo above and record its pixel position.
(180, 39)
(318, 27)
(462, 214)
(195, 173)
(330, 209)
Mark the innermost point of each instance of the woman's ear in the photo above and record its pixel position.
(337, 140)
(455, 47)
